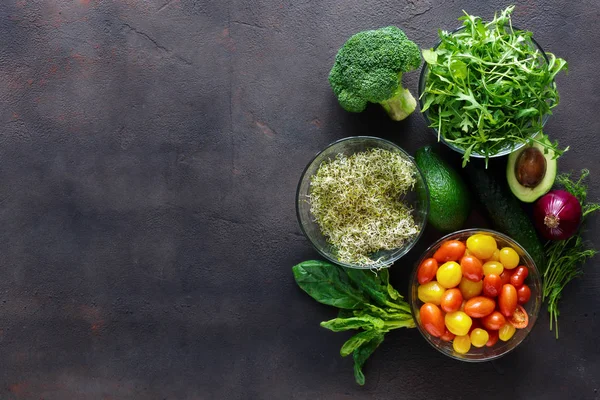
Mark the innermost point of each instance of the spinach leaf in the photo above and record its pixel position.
(365, 322)
(384, 275)
(361, 355)
(328, 284)
(358, 340)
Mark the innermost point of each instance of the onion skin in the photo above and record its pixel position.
(557, 215)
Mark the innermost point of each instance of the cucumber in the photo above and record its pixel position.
(506, 214)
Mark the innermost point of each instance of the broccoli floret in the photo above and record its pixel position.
(369, 68)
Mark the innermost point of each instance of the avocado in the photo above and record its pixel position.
(449, 199)
(531, 171)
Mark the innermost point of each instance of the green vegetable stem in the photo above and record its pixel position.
(367, 303)
(566, 257)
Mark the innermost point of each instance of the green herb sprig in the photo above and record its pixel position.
(566, 257)
(367, 302)
(488, 87)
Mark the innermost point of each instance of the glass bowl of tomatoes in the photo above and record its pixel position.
(475, 294)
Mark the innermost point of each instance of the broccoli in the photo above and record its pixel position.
(369, 68)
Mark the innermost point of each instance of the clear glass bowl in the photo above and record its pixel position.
(532, 306)
(502, 152)
(417, 200)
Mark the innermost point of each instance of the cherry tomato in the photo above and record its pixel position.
(494, 321)
(476, 323)
(471, 268)
(519, 319)
(431, 292)
(462, 344)
(447, 336)
(505, 276)
(493, 338)
(452, 250)
(479, 337)
(506, 332)
(432, 319)
(507, 300)
(468, 253)
(449, 274)
(518, 277)
(495, 256)
(492, 285)
(427, 270)
(470, 289)
(479, 307)
(452, 300)
(493, 267)
(458, 322)
(482, 246)
(509, 257)
(523, 294)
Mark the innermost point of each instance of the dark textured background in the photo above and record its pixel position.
(150, 151)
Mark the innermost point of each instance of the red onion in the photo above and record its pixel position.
(557, 215)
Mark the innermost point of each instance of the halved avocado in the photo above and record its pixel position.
(531, 172)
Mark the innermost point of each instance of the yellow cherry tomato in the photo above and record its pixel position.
(509, 258)
(495, 256)
(449, 274)
(479, 337)
(481, 246)
(458, 322)
(431, 292)
(470, 289)
(462, 344)
(492, 267)
(506, 332)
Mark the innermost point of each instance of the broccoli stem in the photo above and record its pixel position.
(400, 105)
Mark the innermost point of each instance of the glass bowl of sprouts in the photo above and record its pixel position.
(362, 202)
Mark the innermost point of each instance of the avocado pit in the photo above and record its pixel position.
(530, 167)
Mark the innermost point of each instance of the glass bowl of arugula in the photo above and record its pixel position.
(532, 306)
(362, 202)
(488, 88)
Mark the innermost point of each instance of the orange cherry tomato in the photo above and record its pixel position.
(523, 294)
(451, 300)
(452, 250)
(507, 300)
(492, 285)
(432, 319)
(472, 269)
(518, 277)
(493, 338)
(505, 276)
(448, 336)
(427, 270)
(479, 307)
(494, 321)
(519, 318)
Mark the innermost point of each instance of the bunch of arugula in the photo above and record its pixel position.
(367, 302)
(488, 87)
(566, 257)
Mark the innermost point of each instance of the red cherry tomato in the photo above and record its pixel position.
(494, 321)
(507, 300)
(519, 319)
(427, 270)
(518, 277)
(472, 269)
(451, 300)
(476, 323)
(493, 338)
(492, 285)
(432, 319)
(479, 307)
(448, 336)
(505, 276)
(523, 294)
(452, 250)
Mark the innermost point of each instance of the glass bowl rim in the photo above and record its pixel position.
(425, 114)
(413, 301)
(407, 248)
